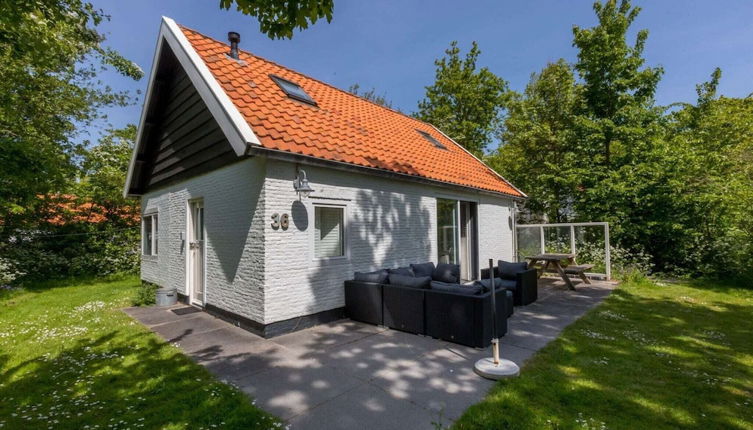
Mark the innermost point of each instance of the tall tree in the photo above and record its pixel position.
(715, 193)
(619, 131)
(537, 152)
(465, 101)
(50, 55)
(279, 18)
(617, 88)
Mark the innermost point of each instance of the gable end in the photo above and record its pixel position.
(181, 138)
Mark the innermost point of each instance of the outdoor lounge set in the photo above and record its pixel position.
(430, 300)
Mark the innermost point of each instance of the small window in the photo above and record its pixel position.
(293, 90)
(328, 226)
(149, 234)
(431, 139)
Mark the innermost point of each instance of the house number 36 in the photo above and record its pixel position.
(280, 221)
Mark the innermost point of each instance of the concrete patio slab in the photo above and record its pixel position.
(175, 331)
(152, 315)
(223, 342)
(366, 408)
(303, 389)
(346, 375)
(327, 336)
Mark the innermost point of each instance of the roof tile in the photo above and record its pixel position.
(342, 127)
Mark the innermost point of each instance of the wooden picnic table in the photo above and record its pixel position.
(553, 262)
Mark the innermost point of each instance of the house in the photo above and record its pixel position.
(228, 146)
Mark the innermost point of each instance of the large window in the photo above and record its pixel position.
(457, 237)
(149, 234)
(447, 231)
(329, 229)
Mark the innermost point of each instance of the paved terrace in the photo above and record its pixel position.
(347, 375)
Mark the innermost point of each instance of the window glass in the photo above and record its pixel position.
(431, 139)
(147, 235)
(328, 226)
(293, 90)
(155, 238)
(447, 231)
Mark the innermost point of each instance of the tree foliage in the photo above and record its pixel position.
(370, 95)
(90, 228)
(674, 183)
(278, 19)
(465, 101)
(50, 55)
(617, 89)
(103, 172)
(537, 138)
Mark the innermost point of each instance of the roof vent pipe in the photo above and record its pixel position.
(234, 38)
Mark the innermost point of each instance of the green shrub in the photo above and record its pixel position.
(8, 272)
(75, 249)
(146, 294)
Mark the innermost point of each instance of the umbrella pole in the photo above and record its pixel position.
(495, 367)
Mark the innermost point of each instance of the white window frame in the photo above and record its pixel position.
(345, 228)
(154, 245)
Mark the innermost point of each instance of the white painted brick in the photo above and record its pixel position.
(233, 211)
(390, 223)
(270, 275)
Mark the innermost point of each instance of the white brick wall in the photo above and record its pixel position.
(270, 275)
(233, 211)
(389, 223)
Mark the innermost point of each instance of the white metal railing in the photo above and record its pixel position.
(585, 252)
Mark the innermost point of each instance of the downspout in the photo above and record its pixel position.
(514, 217)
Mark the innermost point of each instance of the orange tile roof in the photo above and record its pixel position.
(342, 127)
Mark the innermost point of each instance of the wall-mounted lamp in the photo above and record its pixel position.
(301, 184)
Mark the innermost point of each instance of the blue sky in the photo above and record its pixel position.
(391, 45)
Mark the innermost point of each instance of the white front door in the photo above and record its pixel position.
(195, 273)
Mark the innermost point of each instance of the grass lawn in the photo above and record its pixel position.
(70, 359)
(663, 356)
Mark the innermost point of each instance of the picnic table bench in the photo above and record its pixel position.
(579, 270)
(553, 263)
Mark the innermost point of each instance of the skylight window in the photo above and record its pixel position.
(431, 139)
(293, 90)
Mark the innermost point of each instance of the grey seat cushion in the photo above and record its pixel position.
(467, 290)
(423, 269)
(508, 270)
(379, 276)
(409, 281)
(486, 283)
(509, 284)
(404, 271)
(449, 273)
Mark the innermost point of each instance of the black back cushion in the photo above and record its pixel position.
(405, 271)
(449, 273)
(423, 269)
(487, 285)
(380, 276)
(410, 281)
(508, 270)
(467, 290)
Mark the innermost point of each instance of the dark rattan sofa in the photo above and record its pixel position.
(518, 278)
(441, 310)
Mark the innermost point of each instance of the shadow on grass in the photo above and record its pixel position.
(635, 362)
(124, 379)
(37, 287)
